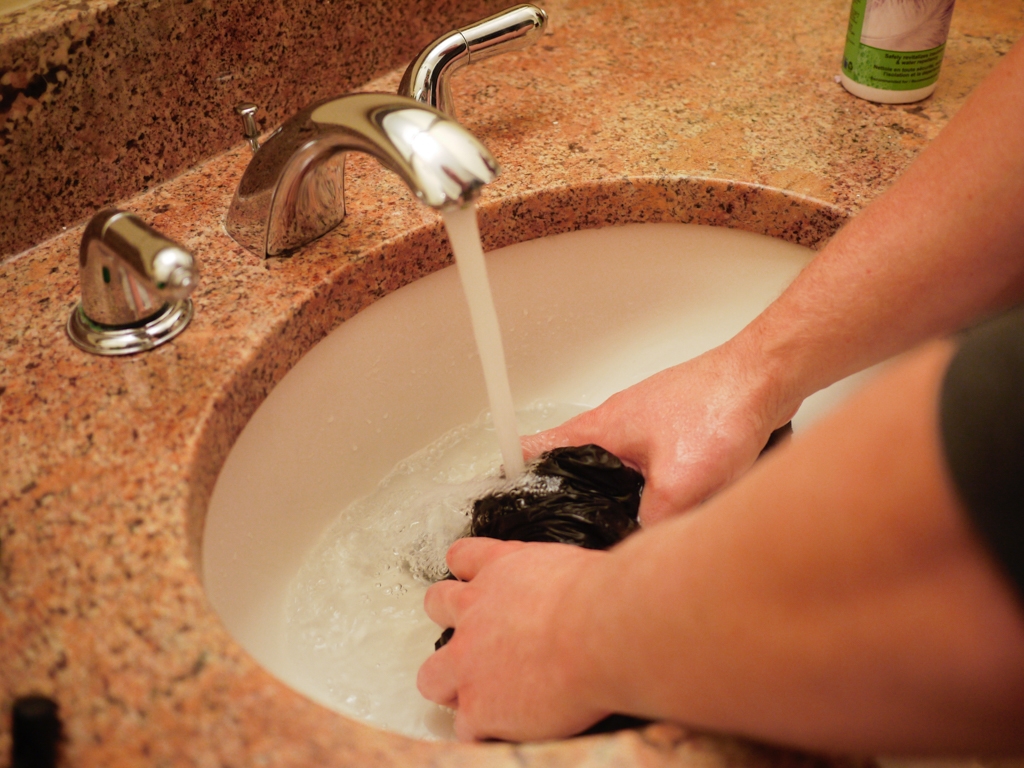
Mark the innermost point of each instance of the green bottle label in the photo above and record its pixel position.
(853, 36)
(885, 69)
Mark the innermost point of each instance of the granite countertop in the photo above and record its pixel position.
(721, 112)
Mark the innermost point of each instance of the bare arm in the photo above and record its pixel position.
(941, 248)
(834, 599)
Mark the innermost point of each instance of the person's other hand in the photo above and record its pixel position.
(689, 430)
(513, 669)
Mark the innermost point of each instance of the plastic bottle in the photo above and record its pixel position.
(894, 48)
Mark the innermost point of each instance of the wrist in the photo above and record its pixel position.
(587, 638)
(768, 374)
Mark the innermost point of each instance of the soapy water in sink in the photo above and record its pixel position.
(356, 626)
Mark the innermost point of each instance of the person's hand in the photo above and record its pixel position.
(689, 430)
(513, 669)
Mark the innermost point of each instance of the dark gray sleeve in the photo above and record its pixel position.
(982, 426)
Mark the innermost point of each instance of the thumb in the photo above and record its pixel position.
(579, 430)
(535, 445)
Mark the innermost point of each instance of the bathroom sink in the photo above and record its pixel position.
(583, 315)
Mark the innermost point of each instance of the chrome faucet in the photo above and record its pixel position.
(293, 190)
(135, 286)
(428, 77)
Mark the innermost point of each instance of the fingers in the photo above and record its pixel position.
(596, 427)
(465, 559)
(467, 556)
(440, 602)
(655, 506)
(672, 493)
(436, 679)
(661, 501)
(464, 730)
(579, 430)
(444, 603)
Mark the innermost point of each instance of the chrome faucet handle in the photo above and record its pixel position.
(247, 112)
(428, 77)
(293, 190)
(135, 285)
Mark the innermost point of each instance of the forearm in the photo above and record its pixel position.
(834, 599)
(942, 247)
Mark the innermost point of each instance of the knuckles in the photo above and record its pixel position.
(436, 598)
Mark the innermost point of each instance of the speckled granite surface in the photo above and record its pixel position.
(717, 112)
(101, 99)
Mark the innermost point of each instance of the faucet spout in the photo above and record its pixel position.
(428, 78)
(294, 188)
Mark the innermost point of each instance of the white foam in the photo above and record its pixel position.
(356, 626)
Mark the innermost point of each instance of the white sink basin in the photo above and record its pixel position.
(583, 315)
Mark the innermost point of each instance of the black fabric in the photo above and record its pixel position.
(982, 426)
(595, 505)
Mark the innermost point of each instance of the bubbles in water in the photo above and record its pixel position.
(356, 626)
